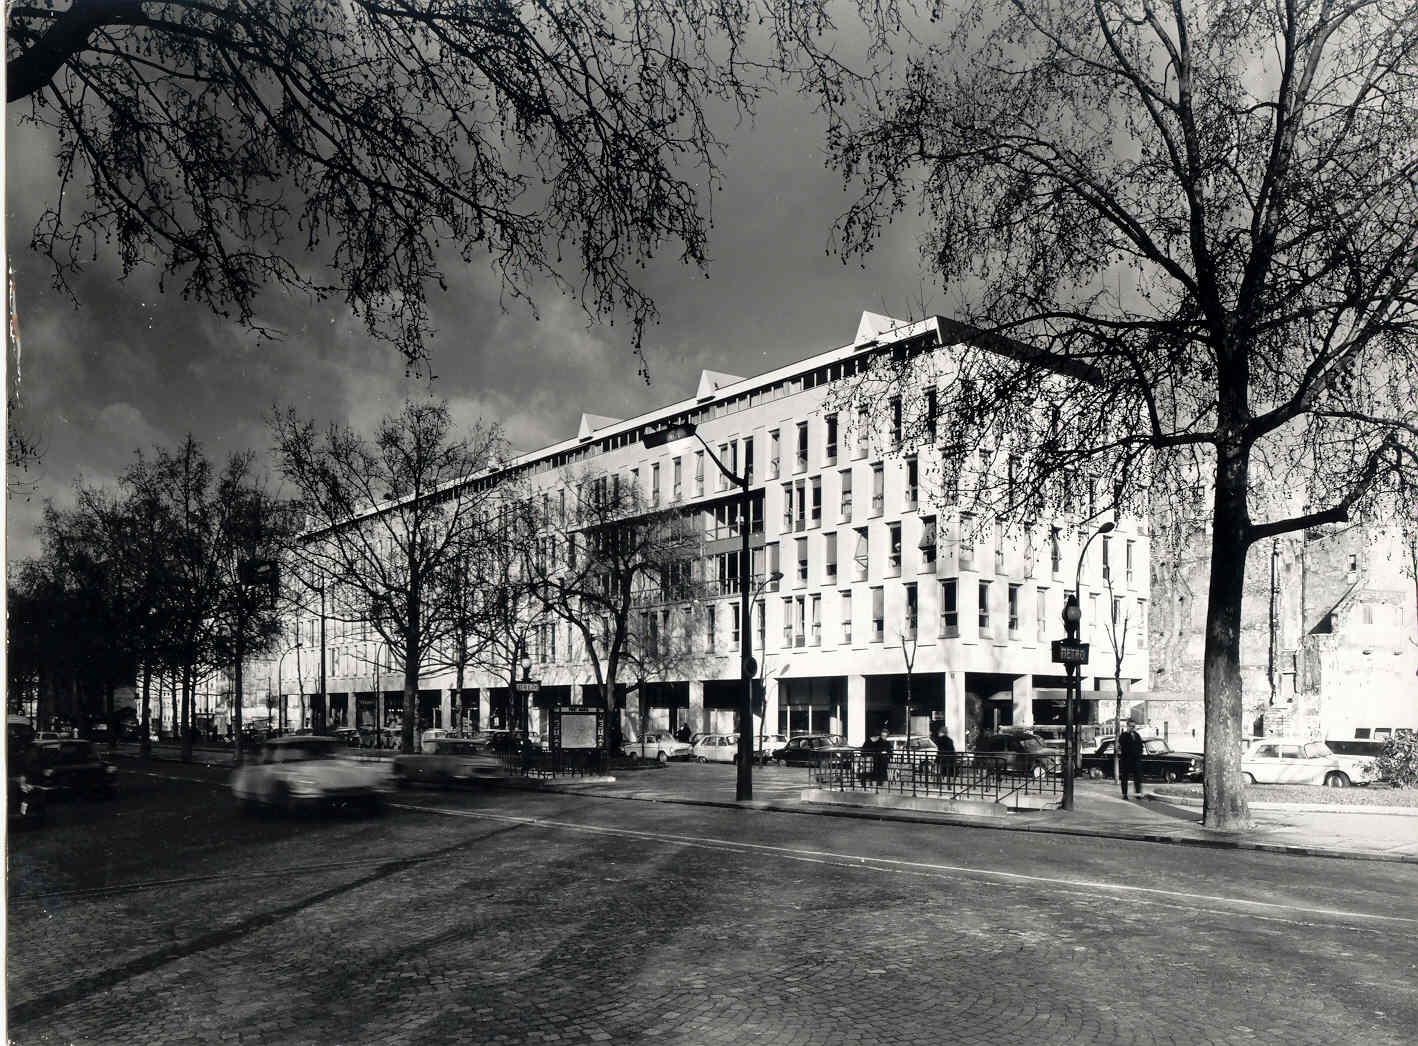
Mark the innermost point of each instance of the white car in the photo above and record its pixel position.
(433, 734)
(716, 748)
(304, 770)
(657, 744)
(764, 745)
(1285, 760)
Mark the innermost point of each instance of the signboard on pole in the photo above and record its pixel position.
(1069, 652)
(527, 687)
(577, 727)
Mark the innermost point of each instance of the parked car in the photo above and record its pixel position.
(1358, 758)
(921, 746)
(765, 745)
(304, 770)
(657, 744)
(433, 734)
(813, 750)
(1281, 760)
(1159, 761)
(447, 761)
(716, 748)
(346, 735)
(70, 766)
(1015, 752)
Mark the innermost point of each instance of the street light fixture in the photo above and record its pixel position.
(748, 668)
(1073, 626)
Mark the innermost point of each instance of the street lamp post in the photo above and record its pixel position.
(748, 668)
(771, 579)
(280, 687)
(1073, 624)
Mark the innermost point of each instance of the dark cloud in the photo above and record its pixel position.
(130, 367)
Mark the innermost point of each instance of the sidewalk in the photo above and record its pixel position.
(1099, 811)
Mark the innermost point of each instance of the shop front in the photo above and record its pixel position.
(812, 705)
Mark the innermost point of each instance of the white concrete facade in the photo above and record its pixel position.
(851, 535)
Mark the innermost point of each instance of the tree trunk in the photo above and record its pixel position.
(237, 693)
(145, 744)
(186, 717)
(458, 708)
(108, 689)
(411, 693)
(1226, 808)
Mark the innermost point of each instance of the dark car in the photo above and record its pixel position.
(813, 750)
(1159, 761)
(1015, 752)
(448, 761)
(72, 766)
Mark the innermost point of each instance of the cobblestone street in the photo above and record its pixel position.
(486, 918)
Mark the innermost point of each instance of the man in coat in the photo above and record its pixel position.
(944, 752)
(1130, 758)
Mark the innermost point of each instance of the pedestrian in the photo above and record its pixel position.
(877, 753)
(944, 752)
(1130, 758)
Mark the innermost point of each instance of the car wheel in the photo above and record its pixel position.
(779, 762)
(1248, 778)
(1336, 780)
(700, 759)
(1170, 776)
(280, 799)
(663, 757)
(1095, 773)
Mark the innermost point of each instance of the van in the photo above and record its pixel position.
(1358, 757)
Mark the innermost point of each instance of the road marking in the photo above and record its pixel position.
(1169, 898)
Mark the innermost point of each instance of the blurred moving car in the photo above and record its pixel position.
(1285, 760)
(432, 734)
(813, 750)
(69, 766)
(305, 770)
(346, 735)
(1358, 758)
(657, 744)
(448, 761)
(1159, 761)
(716, 748)
(1016, 752)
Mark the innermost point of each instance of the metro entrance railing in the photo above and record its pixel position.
(997, 777)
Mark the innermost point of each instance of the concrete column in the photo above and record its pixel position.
(446, 709)
(696, 707)
(856, 710)
(770, 705)
(578, 694)
(1022, 689)
(484, 707)
(954, 688)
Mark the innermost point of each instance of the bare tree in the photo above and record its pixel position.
(333, 147)
(1203, 216)
(599, 561)
(386, 516)
(1117, 632)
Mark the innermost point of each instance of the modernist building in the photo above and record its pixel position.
(877, 566)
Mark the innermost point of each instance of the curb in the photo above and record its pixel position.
(1309, 808)
(1000, 824)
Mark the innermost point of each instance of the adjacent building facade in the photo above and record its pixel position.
(887, 588)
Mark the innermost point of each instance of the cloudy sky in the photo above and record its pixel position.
(131, 368)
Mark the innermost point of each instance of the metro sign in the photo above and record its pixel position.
(1069, 652)
(527, 687)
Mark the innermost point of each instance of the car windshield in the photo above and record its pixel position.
(1317, 750)
(301, 752)
(1157, 748)
(1030, 743)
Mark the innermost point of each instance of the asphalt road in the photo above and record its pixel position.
(168, 917)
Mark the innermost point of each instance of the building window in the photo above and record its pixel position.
(788, 622)
(1014, 611)
(787, 508)
(762, 622)
(801, 457)
(829, 554)
(845, 609)
(863, 438)
(816, 634)
(678, 490)
(878, 614)
(1116, 611)
(802, 561)
(655, 483)
(893, 555)
(967, 540)
(830, 450)
(1055, 550)
(878, 489)
(709, 627)
(999, 546)
(728, 452)
(984, 592)
(698, 473)
(1142, 624)
(774, 565)
(913, 483)
(815, 518)
(846, 513)
(949, 607)
(928, 544)
(912, 608)
(862, 555)
(748, 459)
(932, 400)
(774, 455)
(734, 638)
(1127, 562)
(1041, 603)
(1107, 557)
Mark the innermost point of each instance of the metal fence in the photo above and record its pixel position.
(544, 763)
(962, 775)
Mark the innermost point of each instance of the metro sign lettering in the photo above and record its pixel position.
(1069, 652)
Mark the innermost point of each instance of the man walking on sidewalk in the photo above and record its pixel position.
(1130, 758)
